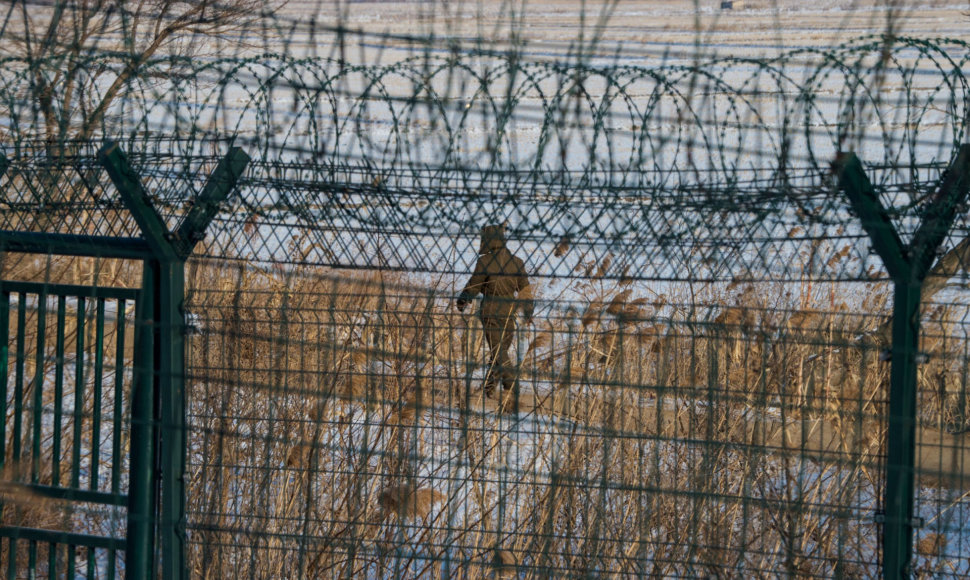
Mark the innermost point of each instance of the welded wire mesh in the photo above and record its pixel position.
(703, 387)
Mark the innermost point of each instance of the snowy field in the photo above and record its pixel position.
(650, 27)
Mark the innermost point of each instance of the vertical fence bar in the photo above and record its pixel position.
(116, 417)
(119, 398)
(4, 362)
(96, 400)
(58, 412)
(38, 404)
(4, 358)
(58, 390)
(38, 387)
(97, 395)
(32, 558)
(141, 493)
(71, 554)
(18, 395)
(78, 415)
(91, 561)
(18, 385)
(168, 271)
(78, 394)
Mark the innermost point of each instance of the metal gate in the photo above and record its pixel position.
(69, 352)
(92, 448)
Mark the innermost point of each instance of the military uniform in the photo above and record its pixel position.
(501, 279)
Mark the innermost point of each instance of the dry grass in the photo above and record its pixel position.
(667, 435)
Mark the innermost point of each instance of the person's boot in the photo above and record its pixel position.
(508, 401)
(489, 389)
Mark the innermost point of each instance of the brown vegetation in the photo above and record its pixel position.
(699, 430)
(674, 431)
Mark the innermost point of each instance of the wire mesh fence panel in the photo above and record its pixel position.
(632, 449)
(482, 310)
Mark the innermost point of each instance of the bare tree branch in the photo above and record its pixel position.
(59, 43)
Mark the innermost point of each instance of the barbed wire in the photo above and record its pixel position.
(437, 144)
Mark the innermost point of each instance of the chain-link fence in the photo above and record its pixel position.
(675, 353)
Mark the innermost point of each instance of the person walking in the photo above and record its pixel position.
(501, 279)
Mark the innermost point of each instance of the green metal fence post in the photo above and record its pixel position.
(141, 515)
(908, 266)
(170, 350)
(168, 357)
(168, 292)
